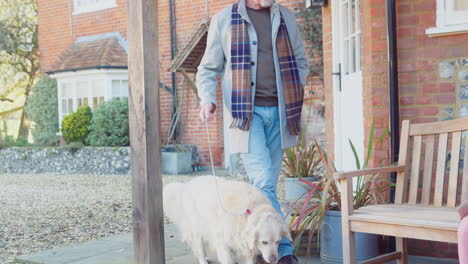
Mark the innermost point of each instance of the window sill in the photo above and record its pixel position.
(78, 12)
(447, 30)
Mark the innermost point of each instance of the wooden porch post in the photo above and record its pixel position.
(148, 222)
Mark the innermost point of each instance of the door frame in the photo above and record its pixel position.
(336, 82)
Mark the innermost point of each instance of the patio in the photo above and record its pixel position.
(119, 250)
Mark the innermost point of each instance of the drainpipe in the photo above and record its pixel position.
(173, 48)
(393, 85)
(392, 59)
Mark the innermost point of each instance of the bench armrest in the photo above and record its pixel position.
(349, 174)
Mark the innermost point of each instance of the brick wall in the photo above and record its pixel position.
(433, 71)
(374, 75)
(58, 29)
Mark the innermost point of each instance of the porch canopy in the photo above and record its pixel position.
(189, 57)
(191, 54)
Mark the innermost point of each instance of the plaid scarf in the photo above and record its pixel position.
(241, 75)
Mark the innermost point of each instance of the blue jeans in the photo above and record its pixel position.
(263, 162)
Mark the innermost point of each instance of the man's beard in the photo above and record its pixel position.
(266, 3)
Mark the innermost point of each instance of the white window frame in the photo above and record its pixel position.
(449, 21)
(122, 93)
(87, 6)
(105, 76)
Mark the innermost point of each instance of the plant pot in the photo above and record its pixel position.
(331, 249)
(301, 248)
(176, 162)
(294, 188)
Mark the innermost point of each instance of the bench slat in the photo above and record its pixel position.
(453, 178)
(464, 196)
(401, 185)
(414, 183)
(426, 191)
(415, 232)
(415, 207)
(410, 213)
(383, 258)
(422, 223)
(440, 171)
(459, 124)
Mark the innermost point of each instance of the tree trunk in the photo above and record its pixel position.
(25, 122)
(24, 125)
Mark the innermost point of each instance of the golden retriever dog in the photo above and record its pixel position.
(225, 221)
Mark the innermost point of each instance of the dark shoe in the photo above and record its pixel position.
(288, 259)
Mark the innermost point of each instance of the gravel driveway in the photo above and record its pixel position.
(40, 212)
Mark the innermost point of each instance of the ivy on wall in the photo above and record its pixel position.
(310, 24)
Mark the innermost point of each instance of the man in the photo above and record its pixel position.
(256, 47)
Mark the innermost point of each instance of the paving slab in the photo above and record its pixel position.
(119, 250)
(110, 250)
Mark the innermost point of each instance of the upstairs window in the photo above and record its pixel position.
(84, 6)
(452, 18)
(456, 12)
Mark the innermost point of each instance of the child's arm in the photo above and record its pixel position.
(463, 209)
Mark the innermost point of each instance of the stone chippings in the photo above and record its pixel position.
(87, 160)
(42, 211)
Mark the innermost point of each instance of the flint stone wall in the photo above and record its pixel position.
(57, 160)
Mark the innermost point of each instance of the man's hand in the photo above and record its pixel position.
(207, 112)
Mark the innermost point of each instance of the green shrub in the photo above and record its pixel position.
(75, 125)
(21, 142)
(74, 145)
(2, 142)
(109, 126)
(9, 141)
(42, 109)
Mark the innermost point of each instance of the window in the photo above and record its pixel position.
(351, 36)
(119, 88)
(452, 18)
(98, 91)
(456, 12)
(66, 90)
(82, 93)
(83, 6)
(89, 88)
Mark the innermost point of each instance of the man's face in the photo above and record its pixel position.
(265, 3)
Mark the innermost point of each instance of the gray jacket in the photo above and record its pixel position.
(216, 61)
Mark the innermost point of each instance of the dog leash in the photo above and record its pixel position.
(249, 210)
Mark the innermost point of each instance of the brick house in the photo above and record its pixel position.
(432, 75)
(83, 43)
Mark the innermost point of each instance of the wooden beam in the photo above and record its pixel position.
(383, 258)
(148, 221)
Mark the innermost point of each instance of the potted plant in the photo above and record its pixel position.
(300, 162)
(319, 213)
(178, 158)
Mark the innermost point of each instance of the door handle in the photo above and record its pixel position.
(339, 76)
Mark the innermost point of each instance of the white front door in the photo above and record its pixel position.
(347, 82)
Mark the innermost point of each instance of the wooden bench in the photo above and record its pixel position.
(429, 186)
